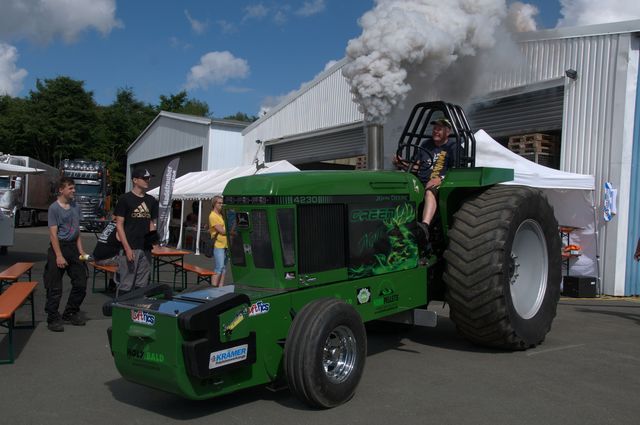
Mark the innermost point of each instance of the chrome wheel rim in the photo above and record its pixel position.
(339, 354)
(528, 269)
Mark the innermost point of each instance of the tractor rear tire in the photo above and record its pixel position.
(325, 353)
(503, 268)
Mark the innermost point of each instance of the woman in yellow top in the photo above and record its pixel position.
(219, 237)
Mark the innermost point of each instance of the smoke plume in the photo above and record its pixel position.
(453, 44)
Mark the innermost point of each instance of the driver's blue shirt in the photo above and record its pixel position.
(443, 158)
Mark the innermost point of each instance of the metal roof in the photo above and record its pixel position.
(581, 31)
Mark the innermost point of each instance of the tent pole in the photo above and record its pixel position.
(596, 234)
(199, 227)
(179, 246)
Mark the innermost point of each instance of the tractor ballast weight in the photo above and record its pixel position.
(316, 254)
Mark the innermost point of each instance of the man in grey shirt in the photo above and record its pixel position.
(64, 256)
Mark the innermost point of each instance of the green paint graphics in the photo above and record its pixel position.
(381, 240)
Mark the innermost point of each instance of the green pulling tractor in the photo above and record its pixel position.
(315, 255)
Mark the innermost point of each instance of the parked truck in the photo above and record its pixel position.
(316, 254)
(32, 193)
(12, 176)
(93, 191)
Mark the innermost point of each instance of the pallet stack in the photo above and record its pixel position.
(543, 149)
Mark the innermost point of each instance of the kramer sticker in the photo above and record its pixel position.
(258, 308)
(142, 317)
(364, 295)
(228, 356)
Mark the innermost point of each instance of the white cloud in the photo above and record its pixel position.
(43, 20)
(216, 68)
(255, 11)
(176, 43)
(311, 8)
(588, 12)
(11, 77)
(198, 27)
(280, 17)
(226, 27)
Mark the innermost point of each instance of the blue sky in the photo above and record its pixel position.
(235, 55)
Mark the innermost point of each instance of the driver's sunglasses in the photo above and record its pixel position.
(146, 178)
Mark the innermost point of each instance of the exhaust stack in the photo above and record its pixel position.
(375, 146)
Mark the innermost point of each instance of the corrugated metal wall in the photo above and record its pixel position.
(169, 137)
(225, 149)
(339, 144)
(589, 100)
(632, 285)
(189, 161)
(326, 102)
(531, 112)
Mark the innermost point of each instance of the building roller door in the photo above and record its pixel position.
(328, 145)
(532, 112)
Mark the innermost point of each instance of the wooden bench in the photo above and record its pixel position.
(104, 270)
(13, 273)
(11, 299)
(204, 275)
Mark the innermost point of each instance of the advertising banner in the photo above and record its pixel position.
(164, 200)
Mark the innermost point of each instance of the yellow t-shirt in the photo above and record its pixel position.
(216, 219)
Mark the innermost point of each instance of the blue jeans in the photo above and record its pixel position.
(220, 258)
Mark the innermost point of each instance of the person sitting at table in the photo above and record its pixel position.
(107, 249)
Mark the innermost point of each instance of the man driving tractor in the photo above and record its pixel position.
(431, 162)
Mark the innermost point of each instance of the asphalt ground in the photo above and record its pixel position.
(586, 372)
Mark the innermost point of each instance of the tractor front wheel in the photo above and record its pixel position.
(325, 353)
(503, 268)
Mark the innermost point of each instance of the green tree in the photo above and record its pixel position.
(61, 119)
(120, 124)
(241, 116)
(13, 114)
(180, 103)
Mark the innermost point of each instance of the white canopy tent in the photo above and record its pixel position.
(570, 194)
(204, 185)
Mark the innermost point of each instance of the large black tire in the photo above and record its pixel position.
(503, 268)
(325, 353)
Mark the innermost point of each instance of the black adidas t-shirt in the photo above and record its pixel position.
(138, 213)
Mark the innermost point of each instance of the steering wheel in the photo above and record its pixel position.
(413, 150)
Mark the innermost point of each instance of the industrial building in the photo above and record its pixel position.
(578, 84)
(202, 144)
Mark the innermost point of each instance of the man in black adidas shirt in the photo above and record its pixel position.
(136, 215)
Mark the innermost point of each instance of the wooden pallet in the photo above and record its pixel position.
(534, 143)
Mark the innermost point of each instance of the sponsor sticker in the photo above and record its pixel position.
(145, 355)
(258, 308)
(142, 317)
(363, 295)
(228, 356)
